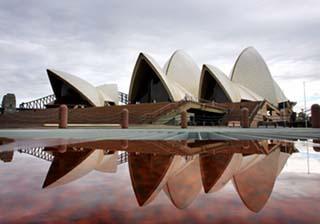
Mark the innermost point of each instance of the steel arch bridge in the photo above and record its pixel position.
(41, 103)
(38, 152)
(38, 103)
(41, 154)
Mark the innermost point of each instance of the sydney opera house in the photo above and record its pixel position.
(208, 95)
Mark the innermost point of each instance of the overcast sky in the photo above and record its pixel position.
(99, 41)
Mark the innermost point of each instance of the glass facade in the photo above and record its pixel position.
(212, 91)
(147, 87)
(66, 94)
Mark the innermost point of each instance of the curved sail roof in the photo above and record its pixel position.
(155, 68)
(225, 83)
(251, 71)
(247, 94)
(182, 69)
(108, 92)
(235, 92)
(95, 96)
(171, 76)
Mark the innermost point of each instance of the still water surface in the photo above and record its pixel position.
(121, 181)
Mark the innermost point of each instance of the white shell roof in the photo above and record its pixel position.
(234, 91)
(96, 96)
(251, 71)
(183, 70)
(108, 92)
(174, 89)
(229, 88)
(247, 94)
(279, 93)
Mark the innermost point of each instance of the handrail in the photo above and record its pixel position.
(255, 111)
(211, 103)
(154, 114)
(202, 100)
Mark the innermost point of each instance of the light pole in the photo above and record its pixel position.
(305, 104)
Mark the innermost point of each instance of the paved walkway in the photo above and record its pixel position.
(198, 133)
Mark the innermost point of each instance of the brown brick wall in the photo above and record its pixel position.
(93, 115)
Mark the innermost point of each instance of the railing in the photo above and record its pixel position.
(148, 117)
(255, 111)
(208, 103)
(214, 105)
(202, 100)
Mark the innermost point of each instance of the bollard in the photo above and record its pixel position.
(315, 116)
(63, 116)
(125, 118)
(244, 118)
(184, 119)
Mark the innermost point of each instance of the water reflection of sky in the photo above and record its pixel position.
(105, 194)
(307, 157)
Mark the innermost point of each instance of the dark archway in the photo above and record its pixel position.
(211, 90)
(65, 93)
(147, 87)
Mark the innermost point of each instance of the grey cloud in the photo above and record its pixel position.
(100, 40)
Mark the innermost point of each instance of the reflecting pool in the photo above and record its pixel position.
(154, 181)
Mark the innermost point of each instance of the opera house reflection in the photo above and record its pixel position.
(181, 169)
